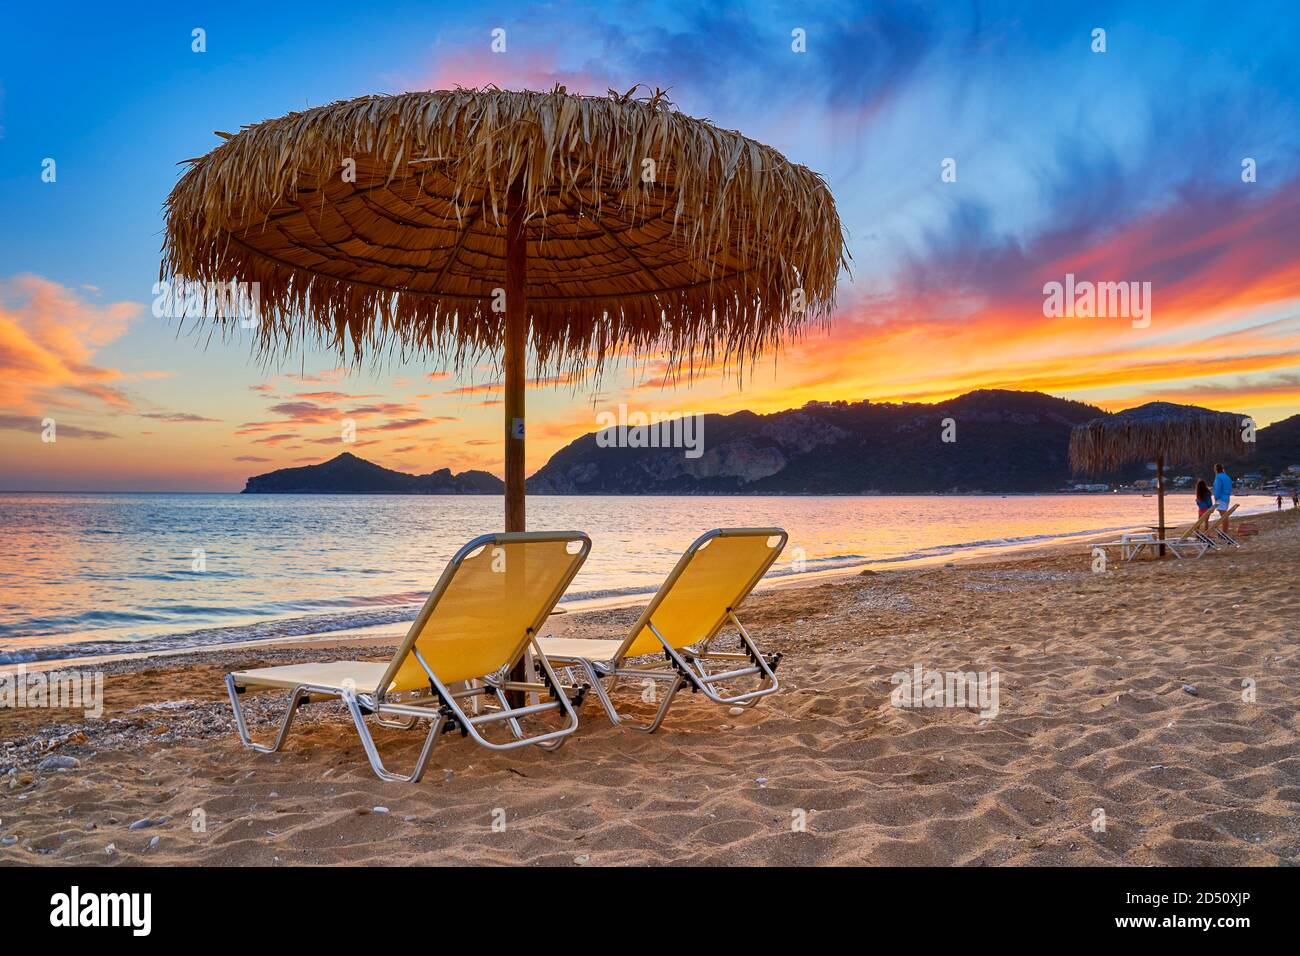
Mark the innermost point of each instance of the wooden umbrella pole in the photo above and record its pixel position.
(1160, 496)
(516, 348)
(515, 367)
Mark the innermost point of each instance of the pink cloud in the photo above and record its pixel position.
(515, 69)
(49, 336)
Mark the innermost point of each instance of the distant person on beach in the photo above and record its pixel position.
(1204, 500)
(1222, 494)
(1279, 502)
(1295, 499)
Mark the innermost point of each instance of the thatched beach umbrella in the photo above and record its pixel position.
(467, 224)
(1162, 432)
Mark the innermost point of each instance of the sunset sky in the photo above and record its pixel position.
(1125, 165)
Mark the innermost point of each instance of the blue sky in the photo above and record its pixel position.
(1063, 155)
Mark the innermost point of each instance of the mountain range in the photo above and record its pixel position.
(990, 441)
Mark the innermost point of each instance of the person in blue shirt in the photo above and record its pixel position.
(1222, 494)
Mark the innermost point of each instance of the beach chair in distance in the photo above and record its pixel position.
(697, 599)
(480, 620)
(1188, 541)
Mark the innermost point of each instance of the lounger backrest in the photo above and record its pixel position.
(715, 574)
(493, 597)
(1213, 526)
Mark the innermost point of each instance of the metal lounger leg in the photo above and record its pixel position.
(504, 703)
(470, 724)
(242, 726)
(372, 752)
(762, 664)
(350, 701)
(768, 684)
(604, 695)
(517, 730)
(555, 682)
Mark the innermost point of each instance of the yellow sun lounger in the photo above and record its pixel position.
(1215, 530)
(483, 616)
(697, 599)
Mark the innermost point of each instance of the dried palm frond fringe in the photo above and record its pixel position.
(1181, 434)
(648, 231)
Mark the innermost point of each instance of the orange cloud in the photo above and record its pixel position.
(1225, 287)
(49, 336)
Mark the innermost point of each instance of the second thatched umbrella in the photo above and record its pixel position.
(481, 223)
(1162, 432)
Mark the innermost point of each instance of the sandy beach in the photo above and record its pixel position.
(1120, 699)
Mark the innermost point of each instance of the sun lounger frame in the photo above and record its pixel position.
(1131, 548)
(687, 664)
(1215, 530)
(442, 705)
(1202, 535)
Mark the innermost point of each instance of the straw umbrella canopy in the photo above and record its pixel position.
(464, 224)
(1162, 432)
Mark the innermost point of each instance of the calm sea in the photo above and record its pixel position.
(104, 574)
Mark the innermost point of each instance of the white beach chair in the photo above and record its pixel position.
(1187, 543)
